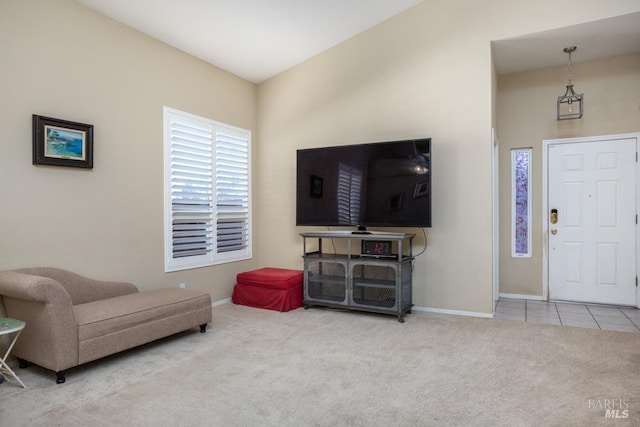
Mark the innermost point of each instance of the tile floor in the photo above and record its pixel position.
(624, 319)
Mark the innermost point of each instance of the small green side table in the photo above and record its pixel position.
(9, 326)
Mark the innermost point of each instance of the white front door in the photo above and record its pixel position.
(591, 221)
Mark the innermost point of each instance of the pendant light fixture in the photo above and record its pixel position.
(571, 104)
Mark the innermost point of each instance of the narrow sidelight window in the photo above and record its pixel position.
(521, 202)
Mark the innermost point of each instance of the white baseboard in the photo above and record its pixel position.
(454, 312)
(221, 302)
(414, 308)
(521, 296)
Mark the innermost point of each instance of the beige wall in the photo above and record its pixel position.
(60, 59)
(527, 116)
(426, 72)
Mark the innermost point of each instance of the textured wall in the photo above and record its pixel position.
(62, 60)
(424, 73)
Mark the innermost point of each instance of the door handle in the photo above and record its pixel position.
(553, 216)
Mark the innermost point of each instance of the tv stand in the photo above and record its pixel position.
(359, 281)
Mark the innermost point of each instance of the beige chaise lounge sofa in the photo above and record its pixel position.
(71, 320)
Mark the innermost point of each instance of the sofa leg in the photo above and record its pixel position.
(23, 363)
(203, 328)
(60, 377)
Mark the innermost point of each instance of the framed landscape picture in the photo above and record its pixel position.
(62, 143)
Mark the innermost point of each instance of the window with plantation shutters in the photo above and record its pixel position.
(207, 192)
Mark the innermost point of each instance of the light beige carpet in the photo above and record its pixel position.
(319, 367)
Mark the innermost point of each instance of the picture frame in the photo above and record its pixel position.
(59, 142)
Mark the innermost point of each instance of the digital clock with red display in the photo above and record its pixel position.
(376, 248)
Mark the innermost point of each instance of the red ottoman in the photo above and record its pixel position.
(271, 288)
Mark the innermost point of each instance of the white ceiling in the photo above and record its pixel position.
(257, 39)
(598, 39)
(253, 39)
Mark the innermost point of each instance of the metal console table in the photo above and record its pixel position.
(371, 273)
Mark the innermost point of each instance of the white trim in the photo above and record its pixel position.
(454, 312)
(545, 203)
(414, 308)
(221, 302)
(495, 232)
(522, 296)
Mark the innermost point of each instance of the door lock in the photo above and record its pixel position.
(553, 216)
(554, 231)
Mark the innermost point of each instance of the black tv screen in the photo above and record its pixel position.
(383, 184)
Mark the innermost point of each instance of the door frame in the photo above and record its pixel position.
(495, 234)
(545, 208)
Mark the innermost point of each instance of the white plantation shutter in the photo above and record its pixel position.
(232, 191)
(191, 190)
(207, 192)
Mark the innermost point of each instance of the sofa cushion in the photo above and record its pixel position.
(112, 315)
(273, 278)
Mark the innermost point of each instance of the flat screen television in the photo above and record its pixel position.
(382, 184)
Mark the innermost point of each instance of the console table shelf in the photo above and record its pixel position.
(374, 282)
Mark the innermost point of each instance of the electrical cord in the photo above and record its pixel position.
(332, 243)
(413, 263)
(424, 233)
